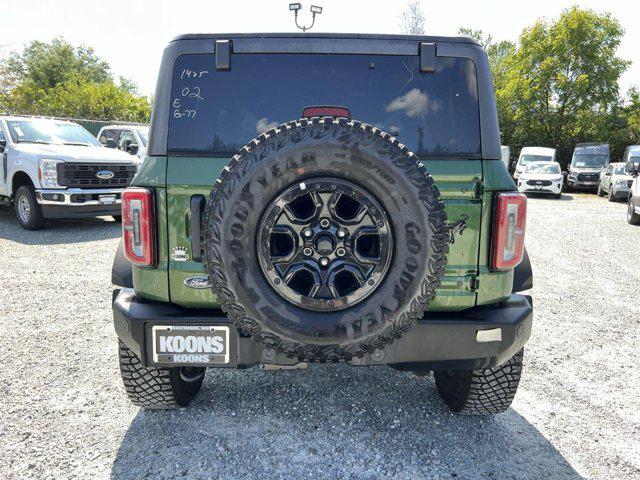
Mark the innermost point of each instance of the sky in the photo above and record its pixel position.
(131, 34)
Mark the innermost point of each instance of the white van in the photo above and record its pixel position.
(533, 154)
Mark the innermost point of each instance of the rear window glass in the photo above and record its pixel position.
(219, 111)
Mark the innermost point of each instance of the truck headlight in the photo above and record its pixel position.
(48, 173)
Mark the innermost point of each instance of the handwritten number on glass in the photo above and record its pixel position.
(188, 92)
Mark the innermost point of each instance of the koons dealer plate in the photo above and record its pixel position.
(196, 345)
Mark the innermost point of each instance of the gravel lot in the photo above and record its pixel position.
(65, 414)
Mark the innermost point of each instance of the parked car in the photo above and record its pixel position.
(57, 169)
(128, 138)
(323, 238)
(615, 182)
(541, 177)
(587, 162)
(533, 154)
(632, 167)
(505, 154)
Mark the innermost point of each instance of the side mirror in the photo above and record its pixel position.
(3, 144)
(132, 148)
(607, 174)
(632, 167)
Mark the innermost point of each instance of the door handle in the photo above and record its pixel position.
(198, 203)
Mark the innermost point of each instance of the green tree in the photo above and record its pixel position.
(59, 79)
(47, 65)
(499, 54)
(561, 85)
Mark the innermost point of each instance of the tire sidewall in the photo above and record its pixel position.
(34, 218)
(392, 177)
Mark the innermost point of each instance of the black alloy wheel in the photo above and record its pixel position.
(325, 244)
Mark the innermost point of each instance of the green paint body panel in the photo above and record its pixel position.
(457, 180)
(466, 186)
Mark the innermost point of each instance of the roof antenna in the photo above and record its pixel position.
(297, 6)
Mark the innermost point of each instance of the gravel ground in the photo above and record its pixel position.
(65, 414)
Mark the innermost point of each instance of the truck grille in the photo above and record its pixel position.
(84, 175)
(588, 177)
(544, 183)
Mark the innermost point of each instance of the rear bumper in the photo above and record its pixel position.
(473, 339)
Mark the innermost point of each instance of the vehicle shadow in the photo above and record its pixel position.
(58, 232)
(331, 421)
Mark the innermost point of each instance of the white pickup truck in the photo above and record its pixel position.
(56, 169)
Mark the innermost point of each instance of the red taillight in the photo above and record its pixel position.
(509, 223)
(326, 112)
(137, 226)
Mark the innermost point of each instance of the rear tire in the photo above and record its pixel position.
(158, 388)
(480, 392)
(632, 217)
(27, 209)
(611, 196)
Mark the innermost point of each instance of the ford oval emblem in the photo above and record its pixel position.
(105, 175)
(200, 282)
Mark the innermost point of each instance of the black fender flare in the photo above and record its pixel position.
(122, 270)
(523, 275)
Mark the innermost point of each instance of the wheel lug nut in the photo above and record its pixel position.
(342, 233)
(324, 261)
(324, 223)
(341, 252)
(307, 232)
(307, 252)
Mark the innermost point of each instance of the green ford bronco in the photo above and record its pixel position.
(323, 198)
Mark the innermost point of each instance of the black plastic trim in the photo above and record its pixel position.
(428, 57)
(523, 275)
(121, 270)
(223, 54)
(441, 340)
(198, 203)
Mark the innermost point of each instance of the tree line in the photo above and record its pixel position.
(57, 79)
(559, 85)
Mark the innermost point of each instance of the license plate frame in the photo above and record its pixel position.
(106, 199)
(179, 350)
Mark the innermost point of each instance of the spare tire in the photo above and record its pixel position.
(325, 239)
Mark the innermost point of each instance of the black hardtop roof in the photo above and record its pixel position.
(344, 36)
(323, 43)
